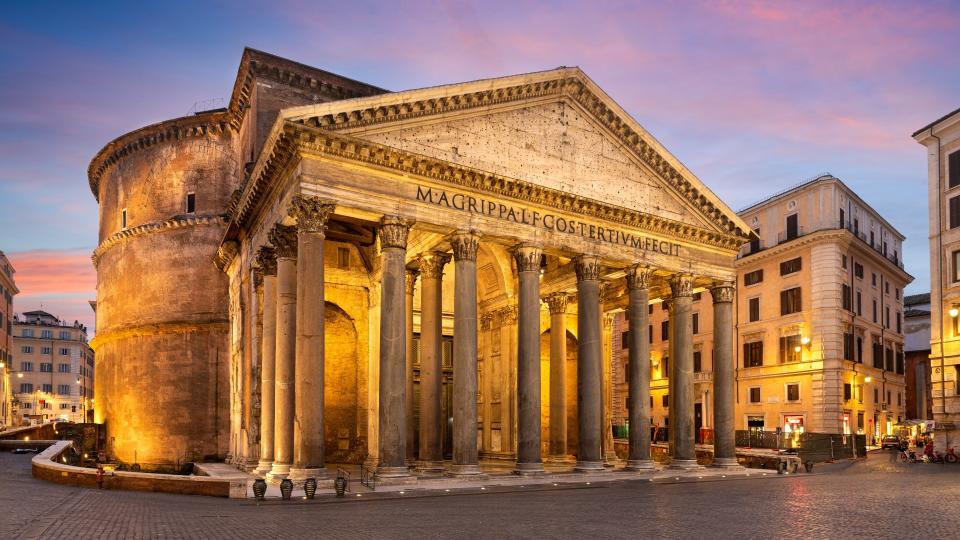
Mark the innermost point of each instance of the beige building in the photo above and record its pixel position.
(819, 320)
(410, 279)
(53, 369)
(8, 289)
(942, 140)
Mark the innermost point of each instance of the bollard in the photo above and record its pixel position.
(310, 487)
(340, 484)
(286, 488)
(808, 465)
(259, 489)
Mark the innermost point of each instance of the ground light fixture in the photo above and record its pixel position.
(286, 488)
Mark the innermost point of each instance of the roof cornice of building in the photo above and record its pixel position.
(949, 119)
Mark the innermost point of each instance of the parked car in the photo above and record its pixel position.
(890, 441)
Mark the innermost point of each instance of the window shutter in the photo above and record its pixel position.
(954, 212)
(954, 166)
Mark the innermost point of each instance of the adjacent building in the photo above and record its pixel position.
(819, 315)
(916, 347)
(8, 289)
(942, 140)
(53, 369)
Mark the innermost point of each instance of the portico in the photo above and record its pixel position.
(467, 242)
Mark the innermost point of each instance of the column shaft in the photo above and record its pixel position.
(465, 457)
(638, 406)
(411, 445)
(431, 277)
(267, 261)
(528, 360)
(393, 349)
(558, 375)
(589, 370)
(284, 239)
(682, 397)
(724, 441)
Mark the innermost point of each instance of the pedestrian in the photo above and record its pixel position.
(894, 451)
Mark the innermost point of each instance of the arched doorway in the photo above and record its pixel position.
(341, 399)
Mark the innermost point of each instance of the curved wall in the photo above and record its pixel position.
(162, 346)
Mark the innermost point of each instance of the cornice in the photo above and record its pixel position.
(195, 126)
(570, 84)
(155, 227)
(175, 327)
(293, 138)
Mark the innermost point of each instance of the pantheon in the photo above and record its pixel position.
(322, 271)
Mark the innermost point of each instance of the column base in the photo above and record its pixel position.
(429, 468)
(529, 469)
(392, 472)
(465, 470)
(684, 465)
(726, 463)
(263, 467)
(278, 471)
(640, 465)
(589, 467)
(560, 459)
(299, 474)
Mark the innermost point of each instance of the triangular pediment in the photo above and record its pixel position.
(555, 129)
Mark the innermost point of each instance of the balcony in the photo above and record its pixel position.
(785, 236)
(702, 376)
(862, 236)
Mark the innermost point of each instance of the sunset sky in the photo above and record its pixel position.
(753, 97)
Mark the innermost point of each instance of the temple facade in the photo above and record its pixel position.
(417, 280)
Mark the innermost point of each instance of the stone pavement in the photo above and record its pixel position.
(871, 498)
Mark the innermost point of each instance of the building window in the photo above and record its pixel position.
(953, 169)
(64, 405)
(753, 354)
(858, 270)
(752, 278)
(790, 301)
(873, 278)
(696, 323)
(848, 346)
(755, 394)
(663, 306)
(63, 389)
(64, 334)
(847, 297)
(191, 203)
(64, 351)
(650, 333)
(343, 257)
(888, 356)
(28, 332)
(26, 349)
(697, 364)
(26, 366)
(47, 334)
(649, 309)
(954, 212)
(123, 219)
(664, 330)
(843, 262)
(859, 303)
(754, 309)
(26, 388)
(665, 401)
(793, 392)
(625, 339)
(63, 368)
(755, 241)
(791, 266)
(790, 348)
(46, 368)
(48, 388)
(46, 350)
(886, 287)
(886, 317)
(896, 293)
(874, 310)
(847, 391)
(793, 229)
(877, 355)
(859, 350)
(665, 367)
(27, 405)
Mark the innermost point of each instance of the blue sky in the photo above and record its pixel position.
(753, 97)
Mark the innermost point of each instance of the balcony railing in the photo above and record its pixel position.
(862, 236)
(702, 376)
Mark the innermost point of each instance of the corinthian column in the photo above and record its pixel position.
(638, 405)
(589, 369)
(558, 375)
(267, 262)
(393, 349)
(431, 278)
(284, 240)
(465, 458)
(410, 281)
(311, 214)
(724, 443)
(528, 360)
(681, 397)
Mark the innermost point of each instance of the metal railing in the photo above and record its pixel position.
(368, 477)
(878, 247)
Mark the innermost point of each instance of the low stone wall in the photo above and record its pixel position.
(46, 466)
(43, 431)
(13, 444)
(754, 459)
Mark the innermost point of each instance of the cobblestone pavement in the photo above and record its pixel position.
(872, 498)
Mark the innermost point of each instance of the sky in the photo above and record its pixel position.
(753, 97)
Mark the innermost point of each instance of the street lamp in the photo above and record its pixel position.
(83, 395)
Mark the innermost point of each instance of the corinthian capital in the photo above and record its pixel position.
(267, 260)
(411, 279)
(527, 257)
(311, 213)
(681, 285)
(432, 263)
(638, 277)
(587, 268)
(557, 302)
(465, 245)
(284, 240)
(723, 292)
(393, 232)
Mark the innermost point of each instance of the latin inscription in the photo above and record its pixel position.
(550, 222)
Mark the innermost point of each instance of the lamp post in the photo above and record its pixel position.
(83, 395)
